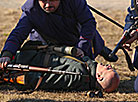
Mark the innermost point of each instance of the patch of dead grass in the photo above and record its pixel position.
(111, 34)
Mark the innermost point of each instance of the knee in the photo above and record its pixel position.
(136, 85)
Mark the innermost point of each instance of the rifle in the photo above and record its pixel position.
(106, 17)
(126, 36)
(7, 72)
(27, 68)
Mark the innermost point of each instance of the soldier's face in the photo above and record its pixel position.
(107, 77)
(49, 5)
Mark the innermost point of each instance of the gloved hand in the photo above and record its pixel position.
(105, 54)
(4, 61)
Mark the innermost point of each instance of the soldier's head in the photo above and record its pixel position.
(107, 77)
(49, 5)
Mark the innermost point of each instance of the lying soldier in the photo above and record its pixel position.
(93, 76)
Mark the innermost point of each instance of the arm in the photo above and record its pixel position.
(131, 16)
(18, 35)
(15, 40)
(128, 35)
(88, 31)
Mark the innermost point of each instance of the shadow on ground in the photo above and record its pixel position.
(127, 86)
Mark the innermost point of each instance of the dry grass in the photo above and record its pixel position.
(110, 33)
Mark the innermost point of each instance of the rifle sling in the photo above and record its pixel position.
(39, 82)
(128, 59)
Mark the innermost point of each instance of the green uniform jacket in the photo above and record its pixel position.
(56, 81)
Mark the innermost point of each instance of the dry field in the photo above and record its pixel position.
(116, 9)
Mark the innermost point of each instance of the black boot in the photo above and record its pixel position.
(105, 53)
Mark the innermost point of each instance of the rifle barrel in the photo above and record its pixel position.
(26, 68)
(114, 50)
(124, 38)
(106, 17)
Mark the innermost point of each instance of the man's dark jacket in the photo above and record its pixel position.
(72, 24)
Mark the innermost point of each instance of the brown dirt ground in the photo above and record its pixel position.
(116, 9)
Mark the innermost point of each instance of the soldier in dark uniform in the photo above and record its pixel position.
(130, 20)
